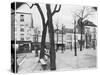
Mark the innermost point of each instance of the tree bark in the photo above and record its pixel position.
(81, 29)
(75, 47)
(81, 42)
(43, 41)
(51, 36)
(43, 32)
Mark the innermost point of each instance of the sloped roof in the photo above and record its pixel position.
(85, 23)
(89, 23)
(18, 4)
(95, 8)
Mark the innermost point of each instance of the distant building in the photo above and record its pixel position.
(89, 36)
(68, 37)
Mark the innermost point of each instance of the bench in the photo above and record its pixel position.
(45, 62)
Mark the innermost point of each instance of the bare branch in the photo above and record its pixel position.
(82, 12)
(32, 5)
(29, 6)
(55, 9)
(87, 15)
(41, 13)
(77, 15)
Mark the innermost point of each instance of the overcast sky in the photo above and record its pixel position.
(65, 16)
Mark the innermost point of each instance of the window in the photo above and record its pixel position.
(27, 38)
(21, 24)
(26, 24)
(22, 29)
(76, 37)
(22, 37)
(69, 37)
(22, 18)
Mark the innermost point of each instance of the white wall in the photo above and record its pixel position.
(27, 25)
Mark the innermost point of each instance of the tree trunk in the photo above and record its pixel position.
(75, 42)
(51, 36)
(43, 32)
(81, 29)
(57, 41)
(43, 41)
(81, 42)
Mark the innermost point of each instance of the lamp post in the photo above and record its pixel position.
(57, 37)
(62, 37)
(75, 38)
(94, 37)
(37, 32)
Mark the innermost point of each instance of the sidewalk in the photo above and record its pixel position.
(29, 63)
(64, 61)
(90, 51)
(84, 59)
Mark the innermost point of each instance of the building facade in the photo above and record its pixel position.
(22, 29)
(67, 38)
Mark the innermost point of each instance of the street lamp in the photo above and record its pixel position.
(75, 38)
(57, 37)
(62, 37)
(36, 35)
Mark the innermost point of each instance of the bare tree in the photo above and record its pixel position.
(82, 16)
(75, 48)
(51, 35)
(44, 27)
(44, 30)
(48, 23)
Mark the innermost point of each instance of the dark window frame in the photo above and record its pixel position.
(22, 18)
